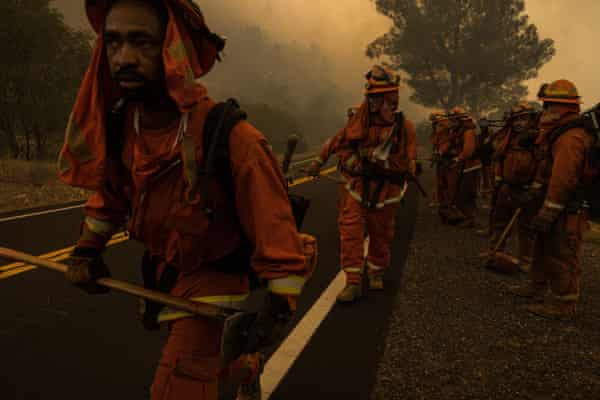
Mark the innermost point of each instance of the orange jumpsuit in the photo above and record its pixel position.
(557, 254)
(515, 168)
(180, 234)
(459, 179)
(164, 214)
(386, 190)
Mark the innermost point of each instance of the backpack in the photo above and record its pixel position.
(587, 193)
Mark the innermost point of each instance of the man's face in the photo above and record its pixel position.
(133, 36)
(386, 106)
(521, 123)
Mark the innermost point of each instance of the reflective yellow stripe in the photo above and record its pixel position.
(382, 204)
(291, 285)
(353, 270)
(553, 205)
(229, 301)
(475, 168)
(374, 267)
(536, 185)
(103, 228)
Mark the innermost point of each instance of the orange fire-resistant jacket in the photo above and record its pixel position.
(162, 215)
(392, 155)
(565, 164)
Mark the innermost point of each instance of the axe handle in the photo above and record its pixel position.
(202, 309)
(289, 151)
(507, 230)
(417, 183)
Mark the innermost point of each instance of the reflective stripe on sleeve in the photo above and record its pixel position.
(291, 285)
(554, 206)
(102, 228)
(229, 301)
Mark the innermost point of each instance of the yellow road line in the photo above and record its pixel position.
(305, 179)
(56, 256)
(16, 268)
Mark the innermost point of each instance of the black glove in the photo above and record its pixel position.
(269, 325)
(85, 265)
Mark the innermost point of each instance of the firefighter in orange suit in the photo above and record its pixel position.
(459, 172)
(565, 168)
(376, 149)
(515, 165)
(438, 138)
(152, 54)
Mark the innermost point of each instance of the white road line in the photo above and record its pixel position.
(35, 214)
(289, 350)
(286, 354)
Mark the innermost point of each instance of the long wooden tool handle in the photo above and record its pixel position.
(289, 152)
(507, 230)
(202, 309)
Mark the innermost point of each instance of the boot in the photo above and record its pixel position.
(350, 293)
(536, 294)
(525, 266)
(564, 311)
(375, 282)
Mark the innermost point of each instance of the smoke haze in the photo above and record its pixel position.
(343, 29)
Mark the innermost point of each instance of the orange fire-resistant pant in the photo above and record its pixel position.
(189, 368)
(459, 189)
(354, 223)
(507, 203)
(557, 257)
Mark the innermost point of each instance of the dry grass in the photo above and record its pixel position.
(28, 184)
(27, 172)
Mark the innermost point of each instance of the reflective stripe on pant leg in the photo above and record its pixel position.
(353, 275)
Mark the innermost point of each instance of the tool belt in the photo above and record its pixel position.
(370, 172)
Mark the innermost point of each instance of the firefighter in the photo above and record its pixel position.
(515, 165)
(459, 171)
(561, 220)
(376, 149)
(151, 54)
(439, 128)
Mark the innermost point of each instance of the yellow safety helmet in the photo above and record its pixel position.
(560, 91)
(381, 80)
(458, 113)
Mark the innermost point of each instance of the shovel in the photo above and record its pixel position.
(500, 261)
(236, 323)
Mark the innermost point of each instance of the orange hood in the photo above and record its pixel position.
(189, 52)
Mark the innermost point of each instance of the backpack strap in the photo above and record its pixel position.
(215, 164)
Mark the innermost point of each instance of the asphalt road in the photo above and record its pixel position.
(57, 342)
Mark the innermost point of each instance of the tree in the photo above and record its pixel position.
(473, 53)
(39, 76)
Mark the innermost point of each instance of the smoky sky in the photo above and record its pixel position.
(344, 28)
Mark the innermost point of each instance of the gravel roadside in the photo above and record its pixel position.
(456, 334)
